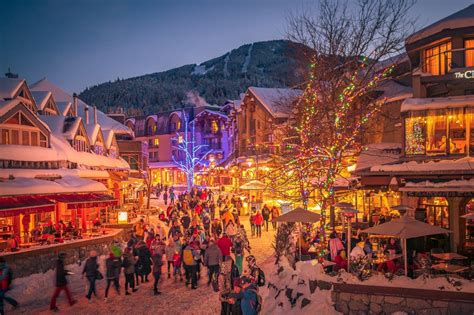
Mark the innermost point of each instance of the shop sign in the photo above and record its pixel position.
(468, 74)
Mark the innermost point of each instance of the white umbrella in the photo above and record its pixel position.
(253, 185)
(299, 215)
(469, 216)
(404, 228)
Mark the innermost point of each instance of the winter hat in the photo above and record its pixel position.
(93, 253)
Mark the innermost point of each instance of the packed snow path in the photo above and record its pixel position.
(176, 298)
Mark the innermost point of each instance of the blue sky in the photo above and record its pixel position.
(79, 43)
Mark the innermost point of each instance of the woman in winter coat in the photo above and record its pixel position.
(113, 266)
(231, 230)
(170, 249)
(128, 265)
(144, 261)
(258, 221)
(157, 263)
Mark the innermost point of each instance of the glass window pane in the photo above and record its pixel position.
(457, 132)
(34, 138)
(469, 45)
(436, 131)
(15, 137)
(25, 137)
(5, 136)
(414, 135)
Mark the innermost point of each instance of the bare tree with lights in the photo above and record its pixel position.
(193, 152)
(353, 50)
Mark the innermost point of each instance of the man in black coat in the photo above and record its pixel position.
(61, 283)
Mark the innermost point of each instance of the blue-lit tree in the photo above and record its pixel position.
(187, 144)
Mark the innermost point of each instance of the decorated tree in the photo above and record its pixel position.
(190, 153)
(353, 52)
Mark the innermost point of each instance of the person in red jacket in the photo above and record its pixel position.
(258, 221)
(225, 244)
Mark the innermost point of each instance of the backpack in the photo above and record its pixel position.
(258, 305)
(188, 257)
(261, 278)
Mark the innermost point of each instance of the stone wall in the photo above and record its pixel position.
(40, 260)
(387, 300)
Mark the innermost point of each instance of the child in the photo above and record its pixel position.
(177, 267)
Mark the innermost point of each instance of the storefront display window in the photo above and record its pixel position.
(457, 131)
(437, 212)
(415, 135)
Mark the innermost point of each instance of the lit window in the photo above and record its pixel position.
(180, 139)
(436, 134)
(156, 142)
(415, 135)
(214, 127)
(469, 45)
(437, 59)
(178, 125)
(457, 132)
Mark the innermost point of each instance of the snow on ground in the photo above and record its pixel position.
(248, 57)
(34, 292)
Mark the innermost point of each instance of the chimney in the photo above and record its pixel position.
(86, 111)
(74, 96)
(95, 115)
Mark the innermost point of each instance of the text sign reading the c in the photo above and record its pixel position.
(468, 74)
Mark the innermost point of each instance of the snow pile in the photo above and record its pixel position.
(463, 164)
(378, 154)
(66, 184)
(248, 57)
(290, 292)
(458, 184)
(414, 104)
(201, 70)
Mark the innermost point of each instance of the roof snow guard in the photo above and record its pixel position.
(460, 19)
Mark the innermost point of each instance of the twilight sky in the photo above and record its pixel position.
(79, 43)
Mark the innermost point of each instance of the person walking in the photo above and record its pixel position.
(61, 283)
(128, 265)
(113, 266)
(172, 196)
(5, 280)
(91, 270)
(238, 249)
(275, 215)
(253, 212)
(144, 261)
(225, 244)
(266, 216)
(165, 197)
(169, 252)
(157, 264)
(212, 259)
(177, 261)
(258, 221)
(190, 256)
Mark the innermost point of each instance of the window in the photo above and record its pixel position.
(415, 138)
(437, 212)
(469, 54)
(457, 132)
(214, 127)
(436, 134)
(437, 59)
(25, 138)
(156, 142)
(5, 136)
(15, 137)
(43, 141)
(469, 227)
(34, 138)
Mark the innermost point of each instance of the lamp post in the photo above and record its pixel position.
(348, 212)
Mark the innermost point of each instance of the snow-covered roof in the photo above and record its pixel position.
(277, 101)
(62, 96)
(93, 131)
(394, 91)
(460, 19)
(41, 98)
(9, 87)
(6, 106)
(108, 137)
(163, 164)
(462, 164)
(66, 184)
(64, 107)
(413, 104)
(452, 185)
(53, 173)
(378, 154)
(63, 126)
(212, 112)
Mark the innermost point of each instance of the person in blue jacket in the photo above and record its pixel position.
(247, 295)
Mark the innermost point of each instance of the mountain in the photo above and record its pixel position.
(277, 63)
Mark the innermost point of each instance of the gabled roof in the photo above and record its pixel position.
(41, 98)
(66, 127)
(64, 107)
(7, 106)
(277, 101)
(394, 91)
(93, 131)
(62, 96)
(109, 136)
(9, 87)
(211, 112)
(460, 19)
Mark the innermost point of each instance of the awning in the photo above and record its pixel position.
(12, 206)
(75, 201)
(375, 181)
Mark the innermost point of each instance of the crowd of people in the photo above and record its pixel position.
(198, 235)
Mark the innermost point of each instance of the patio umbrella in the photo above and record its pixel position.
(469, 216)
(402, 208)
(253, 185)
(299, 215)
(404, 228)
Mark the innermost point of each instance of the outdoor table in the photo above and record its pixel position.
(451, 268)
(385, 258)
(448, 256)
(327, 263)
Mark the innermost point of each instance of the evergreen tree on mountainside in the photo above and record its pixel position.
(277, 63)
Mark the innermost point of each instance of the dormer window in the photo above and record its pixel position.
(437, 59)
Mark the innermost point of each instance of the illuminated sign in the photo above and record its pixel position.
(468, 74)
(122, 217)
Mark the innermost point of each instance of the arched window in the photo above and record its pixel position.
(150, 126)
